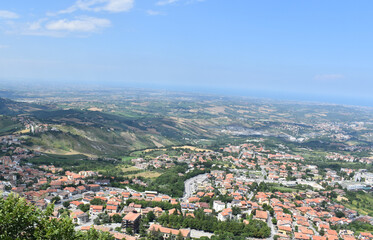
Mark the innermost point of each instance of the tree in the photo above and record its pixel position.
(93, 234)
(97, 201)
(155, 235)
(339, 214)
(287, 211)
(332, 195)
(21, 220)
(129, 231)
(102, 218)
(97, 221)
(66, 204)
(84, 207)
(143, 229)
(117, 218)
(151, 216)
(55, 199)
(179, 236)
(236, 210)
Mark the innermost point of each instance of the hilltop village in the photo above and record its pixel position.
(242, 191)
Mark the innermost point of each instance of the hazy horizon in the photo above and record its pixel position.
(307, 51)
(224, 92)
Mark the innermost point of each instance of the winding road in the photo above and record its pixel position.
(190, 186)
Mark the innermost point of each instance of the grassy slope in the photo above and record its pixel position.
(107, 134)
(8, 126)
(363, 204)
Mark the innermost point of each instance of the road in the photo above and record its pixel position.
(264, 172)
(250, 196)
(198, 234)
(190, 186)
(270, 224)
(315, 232)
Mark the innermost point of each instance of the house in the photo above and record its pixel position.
(111, 209)
(132, 220)
(137, 207)
(284, 230)
(331, 237)
(167, 232)
(71, 190)
(102, 182)
(127, 210)
(121, 236)
(64, 195)
(174, 211)
(190, 215)
(158, 211)
(218, 206)
(202, 205)
(207, 211)
(301, 236)
(225, 215)
(193, 199)
(95, 209)
(188, 207)
(261, 215)
(81, 189)
(305, 230)
(166, 198)
(79, 217)
(348, 237)
(318, 237)
(93, 187)
(75, 204)
(365, 236)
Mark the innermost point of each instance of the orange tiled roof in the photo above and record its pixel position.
(131, 216)
(261, 214)
(156, 227)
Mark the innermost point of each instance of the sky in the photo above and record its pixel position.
(308, 50)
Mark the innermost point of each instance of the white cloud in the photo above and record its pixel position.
(153, 13)
(329, 77)
(166, 2)
(34, 26)
(8, 15)
(113, 6)
(193, 1)
(3, 46)
(82, 24)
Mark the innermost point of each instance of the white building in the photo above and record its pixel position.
(218, 206)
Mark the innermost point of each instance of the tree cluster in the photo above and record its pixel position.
(203, 222)
(22, 220)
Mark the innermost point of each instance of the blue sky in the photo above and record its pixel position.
(313, 50)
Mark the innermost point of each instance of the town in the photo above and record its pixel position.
(246, 190)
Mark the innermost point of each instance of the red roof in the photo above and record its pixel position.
(261, 214)
(97, 207)
(109, 207)
(131, 216)
(302, 236)
(156, 227)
